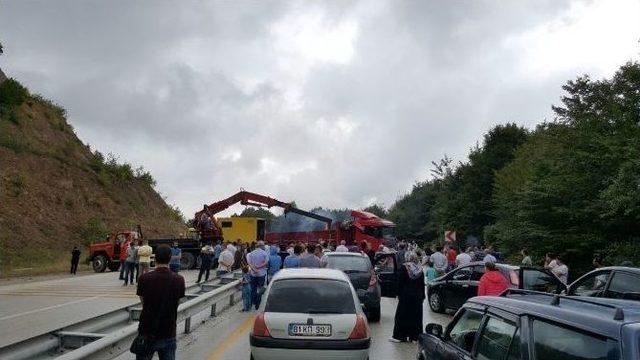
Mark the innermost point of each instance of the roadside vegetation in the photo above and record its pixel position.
(570, 186)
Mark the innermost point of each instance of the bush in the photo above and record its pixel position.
(619, 252)
(93, 231)
(17, 144)
(19, 183)
(12, 95)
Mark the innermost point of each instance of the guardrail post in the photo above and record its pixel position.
(231, 299)
(187, 325)
(213, 310)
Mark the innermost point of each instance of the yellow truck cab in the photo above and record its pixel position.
(247, 229)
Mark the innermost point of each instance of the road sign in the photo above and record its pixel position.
(450, 236)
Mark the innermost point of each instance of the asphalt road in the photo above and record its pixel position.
(35, 308)
(227, 337)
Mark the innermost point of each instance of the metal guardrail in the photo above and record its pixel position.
(115, 330)
(119, 341)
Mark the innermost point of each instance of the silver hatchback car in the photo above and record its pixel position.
(310, 314)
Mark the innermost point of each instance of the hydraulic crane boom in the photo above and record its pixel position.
(252, 199)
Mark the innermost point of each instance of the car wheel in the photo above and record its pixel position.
(99, 263)
(373, 314)
(436, 303)
(187, 261)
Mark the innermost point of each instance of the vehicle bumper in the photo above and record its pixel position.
(260, 353)
(295, 349)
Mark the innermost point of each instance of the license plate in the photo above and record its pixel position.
(309, 330)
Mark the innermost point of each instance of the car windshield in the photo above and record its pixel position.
(349, 263)
(310, 296)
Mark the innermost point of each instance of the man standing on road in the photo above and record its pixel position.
(216, 254)
(160, 292)
(342, 247)
(144, 254)
(311, 260)
(463, 259)
(129, 264)
(176, 255)
(257, 260)
(293, 260)
(488, 257)
(439, 262)
(206, 254)
(75, 259)
(225, 262)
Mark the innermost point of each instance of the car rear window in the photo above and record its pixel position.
(310, 296)
(349, 263)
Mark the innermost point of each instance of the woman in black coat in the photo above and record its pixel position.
(408, 320)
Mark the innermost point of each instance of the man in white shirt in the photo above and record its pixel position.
(439, 262)
(488, 258)
(342, 247)
(463, 259)
(232, 249)
(225, 262)
(561, 270)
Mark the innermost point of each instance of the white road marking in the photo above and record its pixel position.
(49, 308)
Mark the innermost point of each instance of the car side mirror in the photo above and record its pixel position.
(434, 329)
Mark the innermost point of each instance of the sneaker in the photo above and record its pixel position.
(394, 340)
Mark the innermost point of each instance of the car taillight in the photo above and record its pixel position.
(361, 330)
(374, 279)
(259, 327)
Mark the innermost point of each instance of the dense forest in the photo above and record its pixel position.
(571, 185)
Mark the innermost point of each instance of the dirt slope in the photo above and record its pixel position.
(55, 192)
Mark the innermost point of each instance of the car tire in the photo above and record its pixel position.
(99, 263)
(373, 314)
(187, 261)
(436, 302)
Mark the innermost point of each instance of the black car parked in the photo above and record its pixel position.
(531, 325)
(451, 290)
(615, 282)
(359, 270)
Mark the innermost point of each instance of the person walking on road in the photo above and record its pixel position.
(160, 292)
(176, 255)
(129, 265)
(411, 295)
(526, 259)
(492, 283)
(258, 261)
(206, 256)
(75, 259)
(144, 254)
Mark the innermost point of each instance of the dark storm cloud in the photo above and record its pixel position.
(329, 103)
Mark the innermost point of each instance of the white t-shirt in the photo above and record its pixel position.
(463, 259)
(226, 260)
(562, 272)
(489, 258)
(342, 248)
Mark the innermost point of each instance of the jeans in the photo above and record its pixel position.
(175, 267)
(129, 272)
(246, 297)
(166, 349)
(256, 283)
(122, 267)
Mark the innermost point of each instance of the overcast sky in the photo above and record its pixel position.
(333, 104)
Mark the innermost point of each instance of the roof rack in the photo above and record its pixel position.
(555, 300)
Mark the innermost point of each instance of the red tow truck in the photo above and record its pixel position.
(363, 226)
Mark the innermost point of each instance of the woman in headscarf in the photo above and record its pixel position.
(408, 320)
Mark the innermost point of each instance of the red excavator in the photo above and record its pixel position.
(362, 227)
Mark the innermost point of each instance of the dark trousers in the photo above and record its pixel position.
(122, 266)
(205, 267)
(129, 272)
(166, 349)
(74, 266)
(256, 283)
(175, 267)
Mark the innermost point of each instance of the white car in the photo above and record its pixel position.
(310, 314)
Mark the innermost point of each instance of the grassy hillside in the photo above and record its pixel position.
(55, 192)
